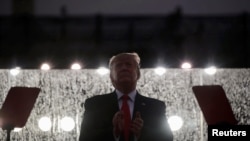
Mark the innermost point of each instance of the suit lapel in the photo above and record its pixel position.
(139, 105)
(113, 102)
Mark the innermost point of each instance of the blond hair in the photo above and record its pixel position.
(133, 54)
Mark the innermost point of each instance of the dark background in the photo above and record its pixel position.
(27, 40)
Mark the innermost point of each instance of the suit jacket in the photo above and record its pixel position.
(99, 112)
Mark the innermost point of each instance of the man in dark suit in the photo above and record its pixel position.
(106, 118)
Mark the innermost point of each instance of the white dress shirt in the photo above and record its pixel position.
(131, 100)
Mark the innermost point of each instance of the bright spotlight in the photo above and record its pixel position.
(45, 124)
(17, 129)
(186, 65)
(175, 122)
(76, 66)
(160, 70)
(210, 70)
(45, 66)
(67, 124)
(102, 71)
(15, 71)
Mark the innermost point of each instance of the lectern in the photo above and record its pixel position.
(214, 105)
(17, 107)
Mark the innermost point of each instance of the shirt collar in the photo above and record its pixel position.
(131, 94)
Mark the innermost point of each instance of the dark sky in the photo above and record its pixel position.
(120, 8)
(82, 7)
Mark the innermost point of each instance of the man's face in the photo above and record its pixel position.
(124, 70)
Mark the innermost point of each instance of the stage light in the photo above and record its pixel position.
(45, 124)
(211, 70)
(67, 124)
(17, 129)
(76, 66)
(160, 70)
(45, 66)
(175, 122)
(102, 70)
(186, 65)
(15, 71)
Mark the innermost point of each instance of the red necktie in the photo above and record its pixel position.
(126, 112)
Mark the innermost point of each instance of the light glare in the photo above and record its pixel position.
(76, 66)
(160, 70)
(175, 123)
(15, 71)
(186, 65)
(45, 124)
(45, 66)
(210, 70)
(102, 71)
(67, 123)
(17, 129)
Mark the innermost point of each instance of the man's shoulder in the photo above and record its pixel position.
(151, 100)
(99, 101)
(100, 97)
